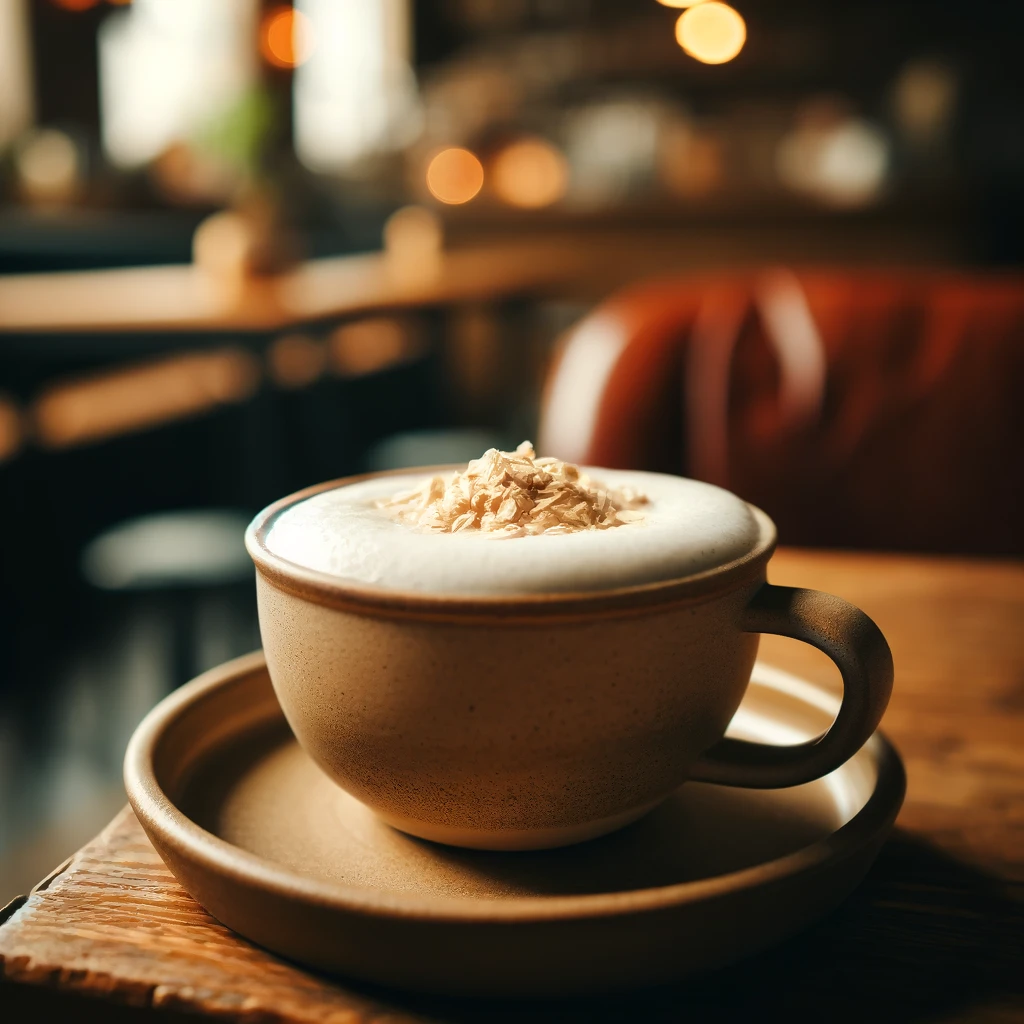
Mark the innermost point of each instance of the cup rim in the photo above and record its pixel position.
(336, 592)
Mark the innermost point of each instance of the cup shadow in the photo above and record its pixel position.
(700, 832)
(924, 936)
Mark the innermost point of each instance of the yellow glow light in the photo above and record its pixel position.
(530, 174)
(48, 166)
(295, 360)
(373, 345)
(286, 37)
(711, 32)
(680, 3)
(10, 429)
(455, 176)
(413, 244)
(140, 397)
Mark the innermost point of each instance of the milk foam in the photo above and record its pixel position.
(687, 527)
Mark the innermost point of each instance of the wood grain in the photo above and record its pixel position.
(935, 933)
(115, 921)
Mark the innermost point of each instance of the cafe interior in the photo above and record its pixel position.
(249, 246)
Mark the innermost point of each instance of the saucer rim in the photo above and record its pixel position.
(168, 826)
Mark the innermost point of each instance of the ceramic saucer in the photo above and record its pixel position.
(276, 851)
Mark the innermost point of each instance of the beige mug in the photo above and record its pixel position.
(534, 721)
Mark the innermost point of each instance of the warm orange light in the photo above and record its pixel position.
(530, 173)
(373, 345)
(680, 3)
(286, 37)
(296, 360)
(75, 5)
(10, 429)
(711, 32)
(139, 397)
(48, 166)
(413, 244)
(455, 176)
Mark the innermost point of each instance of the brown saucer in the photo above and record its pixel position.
(272, 848)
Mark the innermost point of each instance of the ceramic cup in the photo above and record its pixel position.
(535, 721)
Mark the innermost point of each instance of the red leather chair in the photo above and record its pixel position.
(859, 409)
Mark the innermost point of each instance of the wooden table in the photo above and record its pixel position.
(578, 257)
(935, 933)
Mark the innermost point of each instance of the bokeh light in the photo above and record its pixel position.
(373, 345)
(11, 432)
(295, 360)
(75, 5)
(286, 37)
(530, 173)
(680, 3)
(924, 99)
(48, 166)
(413, 244)
(712, 33)
(455, 176)
(691, 163)
(129, 399)
(839, 160)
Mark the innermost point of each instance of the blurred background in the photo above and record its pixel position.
(248, 246)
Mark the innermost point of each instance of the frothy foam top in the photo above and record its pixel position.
(686, 527)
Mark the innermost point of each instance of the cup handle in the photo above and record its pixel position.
(858, 648)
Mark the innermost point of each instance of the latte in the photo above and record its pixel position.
(511, 524)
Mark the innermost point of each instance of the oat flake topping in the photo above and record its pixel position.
(515, 494)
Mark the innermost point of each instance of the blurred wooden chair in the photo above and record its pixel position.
(859, 409)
